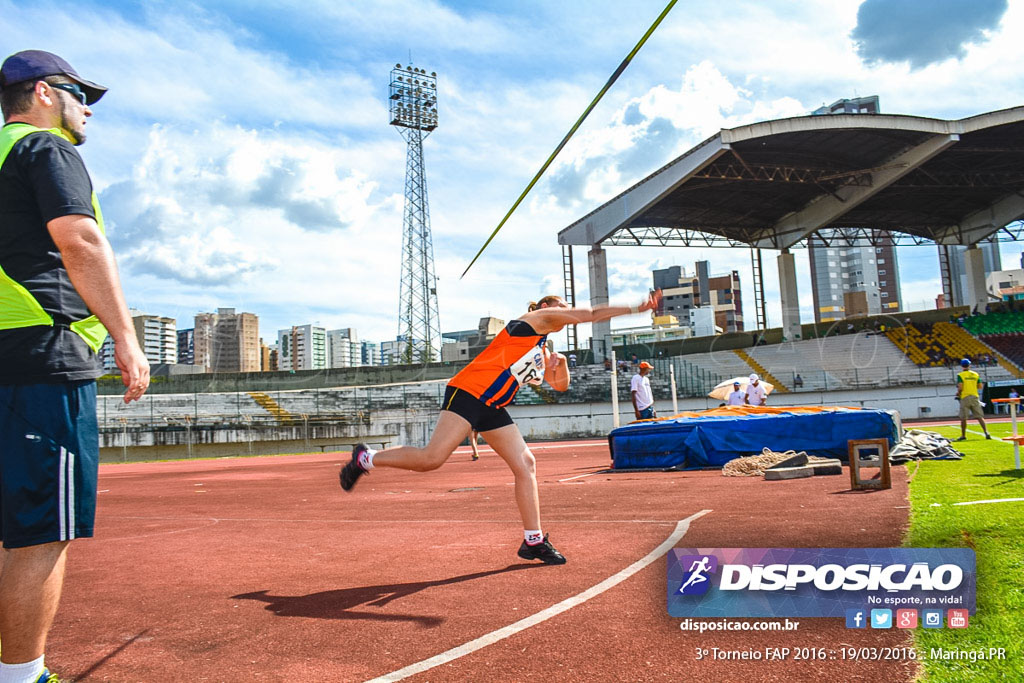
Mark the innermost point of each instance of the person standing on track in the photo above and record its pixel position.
(968, 392)
(476, 397)
(61, 293)
(641, 394)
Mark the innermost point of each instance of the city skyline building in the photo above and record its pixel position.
(851, 281)
(302, 347)
(856, 105)
(370, 353)
(227, 341)
(343, 348)
(157, 336)
(681, 293)
(186, 347)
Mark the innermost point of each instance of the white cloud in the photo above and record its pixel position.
(244, 156)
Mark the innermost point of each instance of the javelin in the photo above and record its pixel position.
(575, 126)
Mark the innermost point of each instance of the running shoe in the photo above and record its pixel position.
(352, 470)
(47, 677)
(476, 457)
(987, 435)
(543, 551)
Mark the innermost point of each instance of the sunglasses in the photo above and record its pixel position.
(72, 88)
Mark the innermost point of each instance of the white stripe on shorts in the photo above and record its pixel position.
(71, 496)
(61, 498)
(66, 495)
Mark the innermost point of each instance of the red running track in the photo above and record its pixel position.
(263, 569)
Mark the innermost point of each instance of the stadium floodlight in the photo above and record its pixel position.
(410, 97)
(412, 106)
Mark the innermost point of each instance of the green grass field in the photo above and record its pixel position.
(995, 531)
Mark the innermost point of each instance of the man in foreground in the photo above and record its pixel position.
(61, 293)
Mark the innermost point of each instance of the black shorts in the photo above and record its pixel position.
(478, 414)
(49, 459)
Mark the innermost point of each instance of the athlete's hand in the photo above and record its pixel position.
(653, 301)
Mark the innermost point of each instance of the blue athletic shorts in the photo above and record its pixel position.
(49, 459)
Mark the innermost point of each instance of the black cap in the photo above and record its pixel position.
(30, 65)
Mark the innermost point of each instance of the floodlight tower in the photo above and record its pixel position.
(413, 107)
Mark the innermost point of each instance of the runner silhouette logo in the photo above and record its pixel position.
(697, 580)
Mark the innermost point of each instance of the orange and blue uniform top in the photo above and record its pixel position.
(514, 358)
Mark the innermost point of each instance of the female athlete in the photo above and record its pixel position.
(476, 397)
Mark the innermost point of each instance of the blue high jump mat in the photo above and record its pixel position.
(712, 438)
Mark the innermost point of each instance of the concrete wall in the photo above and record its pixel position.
(594, 420)
(414, 426)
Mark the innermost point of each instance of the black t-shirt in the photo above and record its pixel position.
(43, 178)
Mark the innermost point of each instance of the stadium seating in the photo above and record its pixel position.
(1003, 331)
(995, 323)
(862, 360)
(1010, 345)
(942, 346)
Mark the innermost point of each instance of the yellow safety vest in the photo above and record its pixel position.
(969, 379)
(18, 308)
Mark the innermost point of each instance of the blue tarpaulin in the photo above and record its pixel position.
(713, 440)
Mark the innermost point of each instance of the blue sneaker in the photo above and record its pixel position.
(47, 677)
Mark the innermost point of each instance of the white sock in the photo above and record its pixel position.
(21, 673)
(532, 536)
(365, 461)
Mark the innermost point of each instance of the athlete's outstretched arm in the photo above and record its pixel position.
(553, 318)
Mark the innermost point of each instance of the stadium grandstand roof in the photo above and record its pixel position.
(850, 178)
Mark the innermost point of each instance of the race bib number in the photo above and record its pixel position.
(530, 368)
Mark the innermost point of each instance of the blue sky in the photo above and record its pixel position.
(244, 159)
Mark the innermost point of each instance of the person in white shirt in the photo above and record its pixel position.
(640, 390)
(737, 396)
(755, 394)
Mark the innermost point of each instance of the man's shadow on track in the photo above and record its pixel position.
(338, 604)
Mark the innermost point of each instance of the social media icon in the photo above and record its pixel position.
(856, 618)
(881, 618)
(906, 618)
(957, 618)
(931, 618)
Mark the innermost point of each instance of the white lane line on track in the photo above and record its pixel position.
(578, 476)
(995, 500)
(494, 636)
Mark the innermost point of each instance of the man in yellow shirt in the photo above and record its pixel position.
(968, 391)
